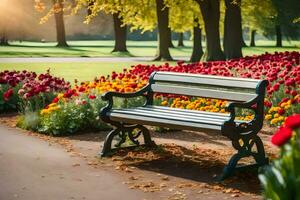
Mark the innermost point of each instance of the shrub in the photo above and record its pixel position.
(281, 180)
(26, 91)
(67, 118)
(29, 121)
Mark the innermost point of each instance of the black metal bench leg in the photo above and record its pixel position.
(245, 150)
(108, 141)
(260, 157)
(230, 167)
(126, 132)
(147, 137)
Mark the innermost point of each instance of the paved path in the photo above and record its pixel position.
(81, 59)
(30, 169)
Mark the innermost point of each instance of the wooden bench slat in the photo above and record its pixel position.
(181, 113)
(206, 80)
(190, 111)
(198, 119)
(193, 112)
(163, 122)
(200, 92)
(186, 111)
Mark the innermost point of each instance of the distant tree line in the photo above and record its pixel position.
(203, 18)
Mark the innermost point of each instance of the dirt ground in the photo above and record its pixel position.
(185, 165)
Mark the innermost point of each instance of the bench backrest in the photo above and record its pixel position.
(217, 87)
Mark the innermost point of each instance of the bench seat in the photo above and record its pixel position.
(171, 117)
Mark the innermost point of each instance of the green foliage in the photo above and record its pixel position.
(141, 14)
(13, 102)
(263, 16)
(281, 180)
(287, 11)
(36, 103)
(29, 121)
(128, 103)
(259, 16)
(71, 118)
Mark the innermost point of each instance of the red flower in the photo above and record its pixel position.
(92, 97)
(83, 102)
(81, 89)
(281, 111)
(293, 93)
(282, 136)
(8, 94)
(293, 121)
(55, 100)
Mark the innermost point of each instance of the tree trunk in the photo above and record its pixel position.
(170, 38)
(197, 44)
(163, 33)
(180, 40)
(3, 40)
(210, 10)
(252, 38)
(233, 30)
(60, 25)
(120, 34)
(278, 36)
(244, 43)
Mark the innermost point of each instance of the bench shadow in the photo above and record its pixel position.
(198, 164)
(202, 166)
(210, 137)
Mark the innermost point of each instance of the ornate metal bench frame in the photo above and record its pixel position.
(243, 135)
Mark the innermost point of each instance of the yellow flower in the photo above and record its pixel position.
(287, 107)
(274, 121)
(52, 105)
(267, 117)
(164, 103)
(44, 111)
(60, 95)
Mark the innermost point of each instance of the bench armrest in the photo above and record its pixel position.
(108, 96)
(231, 106)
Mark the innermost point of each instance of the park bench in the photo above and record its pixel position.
(241, 93)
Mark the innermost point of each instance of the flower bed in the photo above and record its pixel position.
(78, 108)
(26, 91)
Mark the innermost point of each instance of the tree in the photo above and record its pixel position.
(109, 7)
(233, 30)
(164, 35)
(259, 15)
(272, 18)
(286, 12)
(57, 9)
(4, 20)
(180, 40)
(210, 10)
(3, 40)
(120, 34)
(278, 36)
(197, 42)
(186, 16)
(252, 38)
(139, 15)
(59, 22)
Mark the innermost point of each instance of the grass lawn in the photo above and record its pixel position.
(87, 71)
(136, 48)
(71, 71)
